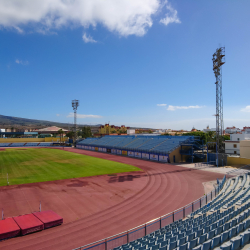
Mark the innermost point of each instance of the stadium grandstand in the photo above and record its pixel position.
(157, 148)
(219, 223)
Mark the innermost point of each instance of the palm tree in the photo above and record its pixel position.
(60, 132)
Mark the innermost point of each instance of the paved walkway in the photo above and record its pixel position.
(221, 170)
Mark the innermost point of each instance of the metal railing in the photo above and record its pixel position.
(153, 225)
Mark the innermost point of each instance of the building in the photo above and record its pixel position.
(233, 145)
(246, 130)
(130, 131)
(209, 129)
(50, 130)
(232, 130)
(112, 129)
(245, 149)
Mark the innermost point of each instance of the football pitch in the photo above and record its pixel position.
(39, 165)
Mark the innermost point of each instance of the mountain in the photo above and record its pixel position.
(11, 121)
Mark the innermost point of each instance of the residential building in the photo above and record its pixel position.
(232, 146)
(209, 129)
(232, 130)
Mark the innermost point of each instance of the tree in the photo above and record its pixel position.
(60, 132)
(202, 135)
(211, 136)
(86, 132)
(226, 137)
(70, 134)
(166, 134)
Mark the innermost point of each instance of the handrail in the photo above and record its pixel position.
(145, 224)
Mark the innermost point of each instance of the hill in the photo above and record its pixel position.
(11, 121)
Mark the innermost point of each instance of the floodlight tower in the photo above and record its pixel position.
(218, 61)
(75, 104)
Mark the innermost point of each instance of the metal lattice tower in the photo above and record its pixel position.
(75, 104)
(218, 61)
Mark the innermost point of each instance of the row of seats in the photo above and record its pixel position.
(29, 144)
(210, 227)
(228, 196)
(4, 144)
(154, 144)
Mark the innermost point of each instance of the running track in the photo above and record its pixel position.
(167, 188)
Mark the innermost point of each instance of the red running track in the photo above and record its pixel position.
(167, 187)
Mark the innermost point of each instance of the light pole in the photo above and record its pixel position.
(75, 104)
(218, 61)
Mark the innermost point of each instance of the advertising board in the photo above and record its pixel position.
(138, 154)
(99, 149)
(124, 152)
(131, 153)
(104, 150)
(163, 158)
(145, 156)
(96, 148)
(153, 157)
(113, 151)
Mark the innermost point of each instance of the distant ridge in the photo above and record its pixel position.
(18, 122)
(8, 121)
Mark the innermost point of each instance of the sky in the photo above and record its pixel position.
(143, 63)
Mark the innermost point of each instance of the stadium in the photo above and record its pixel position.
(175, 175)
(114, 200)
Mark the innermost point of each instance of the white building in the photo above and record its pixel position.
(232, 130)
(209, 129)
(2, 130)
(130, 131)
(233, 145)
(246, 130)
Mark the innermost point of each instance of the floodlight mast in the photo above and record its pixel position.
(218, 61)
(75, 104)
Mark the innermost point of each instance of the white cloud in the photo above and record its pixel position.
(161, 105)
(21, 62)
(125, 17)
(88, 39)
(57, 114)
(84, 116)
(171, 16)
(173, 108)
(246, 109)
(19, 30)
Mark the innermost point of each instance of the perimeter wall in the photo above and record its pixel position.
(237, 161)
(46, 139)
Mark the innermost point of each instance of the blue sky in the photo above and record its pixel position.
(121, 59)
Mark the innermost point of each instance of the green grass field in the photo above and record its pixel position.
(37, 165)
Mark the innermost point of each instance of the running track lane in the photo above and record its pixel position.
(169, 187)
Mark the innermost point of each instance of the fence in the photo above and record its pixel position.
(151, 226)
